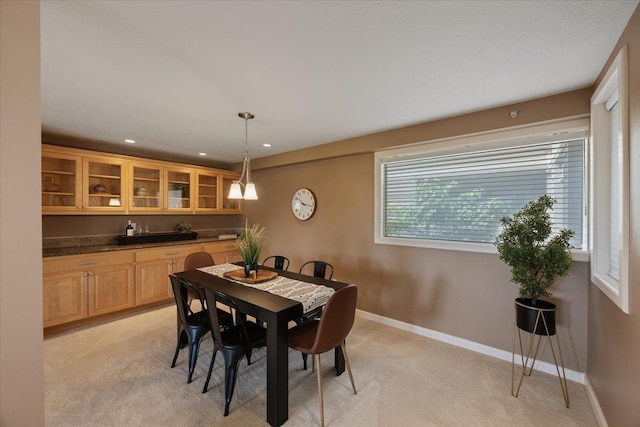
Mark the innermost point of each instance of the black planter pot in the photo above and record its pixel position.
(526, 314)
(250, 267)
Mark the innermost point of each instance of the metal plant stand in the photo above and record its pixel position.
(528, 361)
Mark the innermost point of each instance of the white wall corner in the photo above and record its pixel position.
(595, 404)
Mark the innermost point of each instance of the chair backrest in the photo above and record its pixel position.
(197, 260)
(212, 297)
(336, 320)
(180, 293)
(279, 262)
(320, 269)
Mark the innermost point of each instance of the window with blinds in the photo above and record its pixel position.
(461, 196)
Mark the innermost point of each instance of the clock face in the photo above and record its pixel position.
(303, 204)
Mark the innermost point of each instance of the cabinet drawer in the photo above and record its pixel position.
(85, 262)
(166, 252)
(226, 246)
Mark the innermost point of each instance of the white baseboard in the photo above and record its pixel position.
(595, 404)
(546, 367)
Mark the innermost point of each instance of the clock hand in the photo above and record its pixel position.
(304, 203)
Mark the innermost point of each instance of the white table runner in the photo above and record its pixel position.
(310, 295)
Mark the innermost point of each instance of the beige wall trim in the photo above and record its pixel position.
(595, 403)
(541, 366)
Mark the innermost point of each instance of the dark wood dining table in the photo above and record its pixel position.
(276, 312)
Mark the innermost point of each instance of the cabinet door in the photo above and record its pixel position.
(223, 252)
(206, 197)
(178, 190)
(61, 183)
(64, 297)
(152, 281)
(103, 184)
(111, 289)
(228, 205)
(145, 187)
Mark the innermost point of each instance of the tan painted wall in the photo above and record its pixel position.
(464, 294)
(614, 337)
(21, 354)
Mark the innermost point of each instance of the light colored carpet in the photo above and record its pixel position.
(118, 374)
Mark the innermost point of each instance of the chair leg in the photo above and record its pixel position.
(213, 359)
(304, 361)
(194, 347)
(317, 359)
(249, 357)
(231, 373)
(175, 356)
(346, 359)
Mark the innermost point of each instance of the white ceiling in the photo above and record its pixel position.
(174, 74)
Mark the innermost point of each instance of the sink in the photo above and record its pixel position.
(173, 236)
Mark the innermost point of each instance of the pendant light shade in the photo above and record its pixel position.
(235, 192)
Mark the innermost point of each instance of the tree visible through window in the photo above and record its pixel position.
(461, 197)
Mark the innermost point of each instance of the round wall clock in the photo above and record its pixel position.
(303, 204)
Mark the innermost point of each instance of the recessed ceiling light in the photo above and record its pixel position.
(202, 154)
(130, 141)
(266, 145)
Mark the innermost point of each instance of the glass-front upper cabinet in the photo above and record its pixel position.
(229, 205)
(103, 184)
(178, 189)
(145, 187)
(61, 182)
(206, 191)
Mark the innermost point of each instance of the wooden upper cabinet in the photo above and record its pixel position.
(103, 184)
(145, 187)
(76, 181)
(178, 189)
(61, 182)
(206, 198)
(228, 205)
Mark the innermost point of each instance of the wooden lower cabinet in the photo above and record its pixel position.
(223, 252)
(153, 267)
(111, 289)
(65, 297)
(77, 287)
(152, 281)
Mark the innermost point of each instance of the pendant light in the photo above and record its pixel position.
(249, 188)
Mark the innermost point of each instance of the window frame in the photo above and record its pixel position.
(520, 135)
(616, 78)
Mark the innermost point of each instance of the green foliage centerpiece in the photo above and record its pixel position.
(536, 258)
(250, 244)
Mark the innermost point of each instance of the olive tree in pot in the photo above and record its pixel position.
(536, 259)
(250, 244)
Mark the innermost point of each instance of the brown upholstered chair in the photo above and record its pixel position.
(321, 335)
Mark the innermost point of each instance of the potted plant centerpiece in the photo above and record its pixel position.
(250, 244)
(536, 258)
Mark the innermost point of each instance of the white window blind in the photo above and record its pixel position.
(462, 196)
(615, 200)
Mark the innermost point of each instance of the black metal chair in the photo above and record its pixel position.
(319, 336)
(196, 260)
(192, 326)
(320, 269)
(234, 343)
(279, 262)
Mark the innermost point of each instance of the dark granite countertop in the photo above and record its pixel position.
(53, 247)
